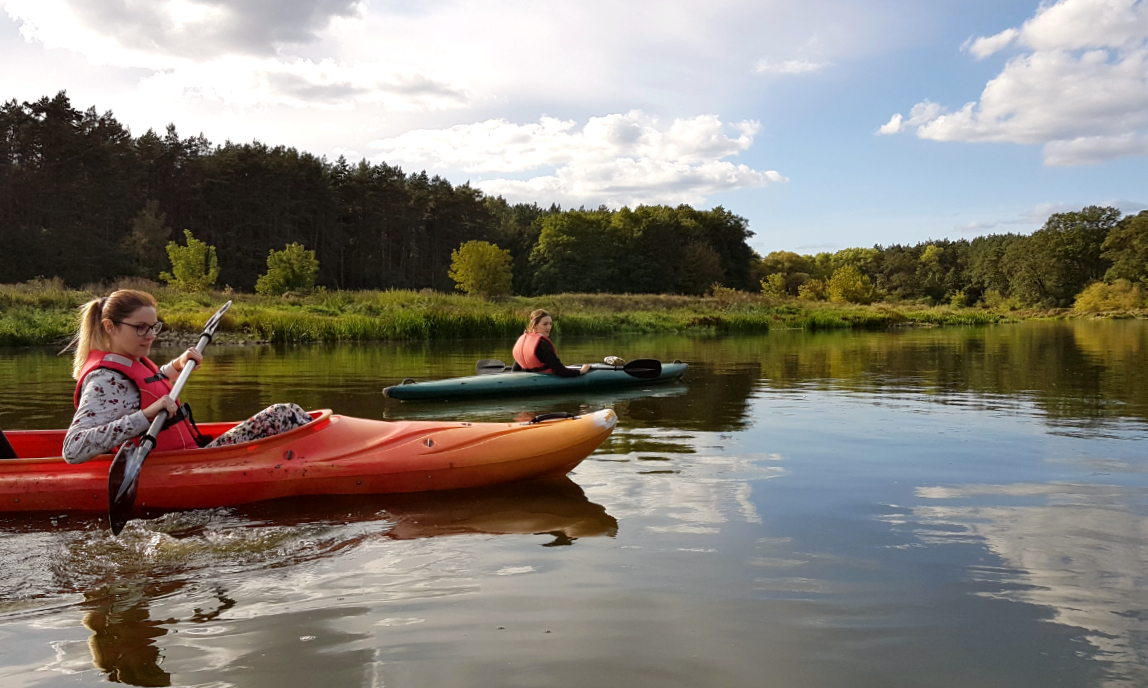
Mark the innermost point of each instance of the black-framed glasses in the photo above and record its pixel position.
(142, 330)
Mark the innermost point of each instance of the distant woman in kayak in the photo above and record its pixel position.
(119, 391)
(535, 353)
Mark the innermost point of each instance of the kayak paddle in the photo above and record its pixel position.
(643, 368)
(488, 366)
(123, 476)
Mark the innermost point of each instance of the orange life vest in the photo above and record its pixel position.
(151, 385)
(524, 354)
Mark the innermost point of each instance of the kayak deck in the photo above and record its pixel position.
(334, 454)
(523, 383)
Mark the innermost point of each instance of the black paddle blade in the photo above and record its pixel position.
(120, 505)
(213, 324)
(644, 368)
(488, 366)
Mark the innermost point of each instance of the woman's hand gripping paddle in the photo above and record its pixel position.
(123, 477)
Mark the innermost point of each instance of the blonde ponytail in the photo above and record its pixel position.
(90, 333)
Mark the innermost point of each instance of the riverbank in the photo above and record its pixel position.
(44, 312)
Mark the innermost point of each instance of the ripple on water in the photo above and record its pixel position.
(45, 565)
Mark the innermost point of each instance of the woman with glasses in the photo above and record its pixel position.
(119, 390)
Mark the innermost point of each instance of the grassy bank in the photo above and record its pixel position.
(44, 312)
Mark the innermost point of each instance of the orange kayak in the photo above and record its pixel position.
(333, 454)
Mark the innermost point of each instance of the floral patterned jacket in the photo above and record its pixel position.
(108, 415)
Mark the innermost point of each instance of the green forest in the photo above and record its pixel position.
(83, 200)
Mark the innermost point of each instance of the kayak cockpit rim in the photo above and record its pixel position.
(320, 419)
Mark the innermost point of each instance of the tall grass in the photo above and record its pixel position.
(45, 311)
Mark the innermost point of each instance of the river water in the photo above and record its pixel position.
(925, 507)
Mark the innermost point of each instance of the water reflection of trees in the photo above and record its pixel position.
(1080, 371)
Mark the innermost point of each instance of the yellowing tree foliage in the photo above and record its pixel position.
(1097, 297)
(480, 268)
(194, 267)
(774, 285)
(848, 284)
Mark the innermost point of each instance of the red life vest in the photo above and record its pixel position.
(151, 385)
(524, 354)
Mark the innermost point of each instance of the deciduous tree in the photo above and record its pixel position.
(1127, 247)
(194, 267)
(849, 285)
(291, 270)
(480, 268)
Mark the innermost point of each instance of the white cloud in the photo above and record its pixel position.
(586, 55)
(1040, 213)
(154, 33)
(1089, 150)
(251, 82)
(615, 159)
(1083, 24)
(985, 46)
(920, 114)
(975, 227)
(766, 66)
(892, 126)
(1081, 90)
(632, 182)
(231, 52)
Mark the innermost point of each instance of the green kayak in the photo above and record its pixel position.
(502, 382)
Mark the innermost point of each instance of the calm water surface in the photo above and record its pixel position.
(944, 507)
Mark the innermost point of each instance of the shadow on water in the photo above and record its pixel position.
(70, 553)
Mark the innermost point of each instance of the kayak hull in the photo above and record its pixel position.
(521, 383)
(332, 455)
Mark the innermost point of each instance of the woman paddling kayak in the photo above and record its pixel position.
(535, 353)
(119, 390)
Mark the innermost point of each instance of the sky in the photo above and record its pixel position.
(826, 124)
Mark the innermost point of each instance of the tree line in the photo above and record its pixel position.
(83, 199)
(1049, 268)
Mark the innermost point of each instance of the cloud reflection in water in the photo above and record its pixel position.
(1080, 552)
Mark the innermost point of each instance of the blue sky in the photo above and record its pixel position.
(826, 123)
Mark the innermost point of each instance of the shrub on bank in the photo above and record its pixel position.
(1100, 297)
